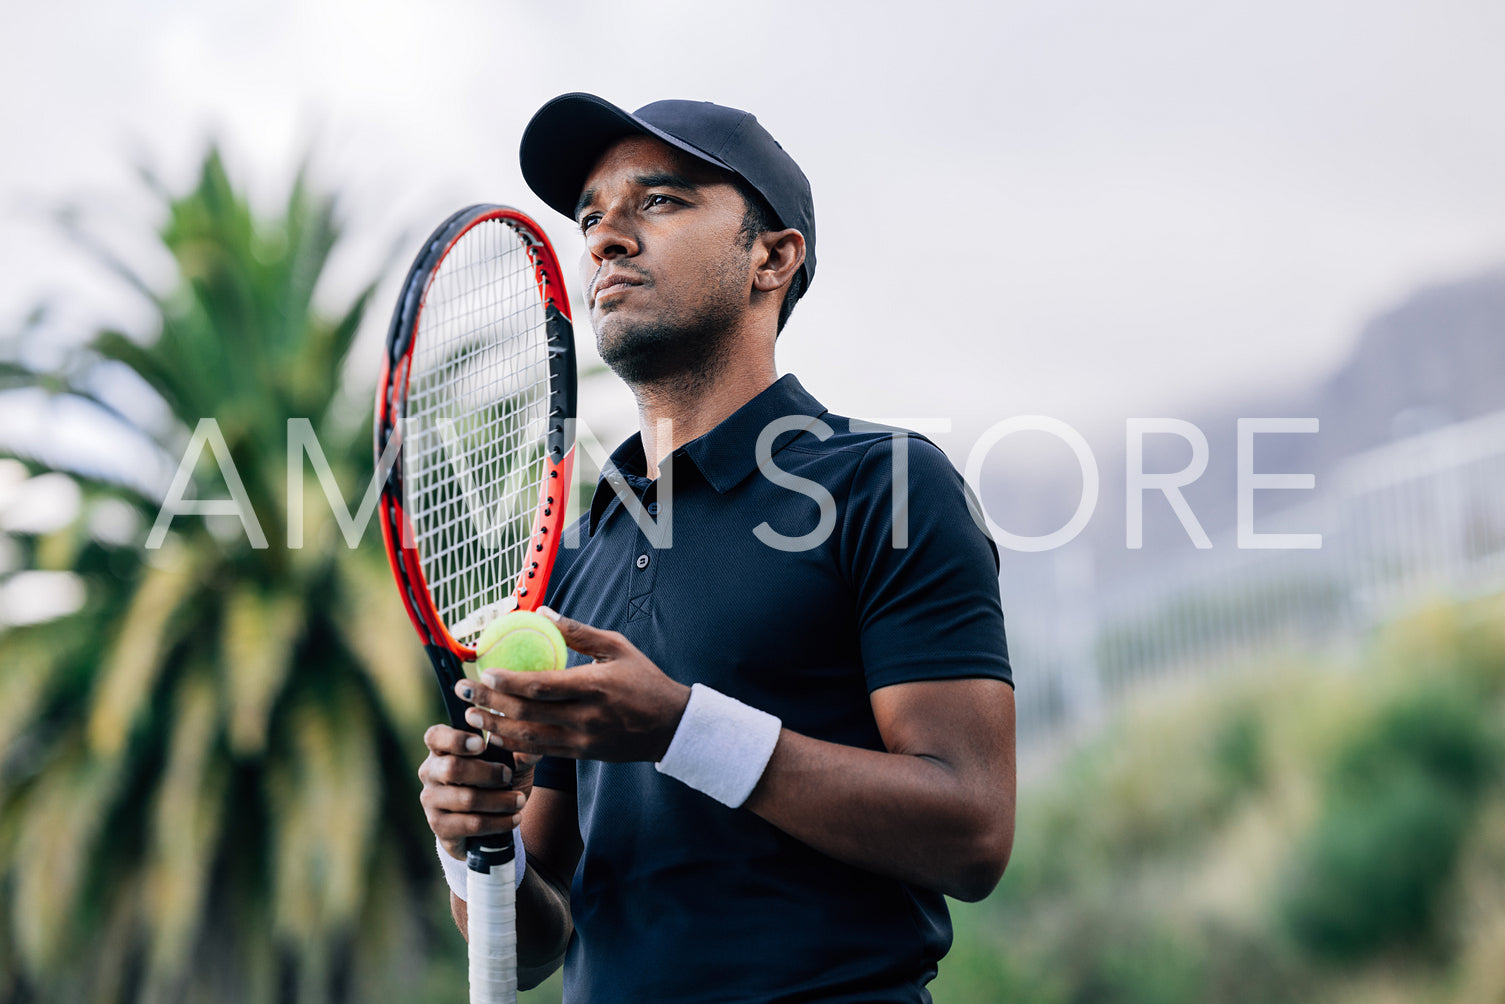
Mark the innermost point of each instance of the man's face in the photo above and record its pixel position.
(666, 273)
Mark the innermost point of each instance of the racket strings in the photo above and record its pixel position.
(477, 416)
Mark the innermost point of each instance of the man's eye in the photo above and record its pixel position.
(586, 222)
(658, 199)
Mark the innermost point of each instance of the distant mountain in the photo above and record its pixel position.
(1436, 358)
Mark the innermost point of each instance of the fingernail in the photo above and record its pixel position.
(549, 612)
(491, 679)
(473, 716)
(466, 693)
(475, 744)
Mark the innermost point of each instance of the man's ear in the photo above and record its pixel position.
(783, 254)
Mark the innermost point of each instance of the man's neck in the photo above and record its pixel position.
(676, 411)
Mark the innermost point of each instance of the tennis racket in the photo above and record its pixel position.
(475, 417)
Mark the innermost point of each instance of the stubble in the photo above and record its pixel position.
(682, 351)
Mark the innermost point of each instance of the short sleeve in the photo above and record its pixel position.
(928, 604)
(555, 772)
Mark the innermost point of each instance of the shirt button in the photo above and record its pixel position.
(642, 561)
(653, 508)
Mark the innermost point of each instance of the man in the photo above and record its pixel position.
(789, 729)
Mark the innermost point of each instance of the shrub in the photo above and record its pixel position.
(1444, 731)
(1372, 873)
(1238, 752)
(1401, 794)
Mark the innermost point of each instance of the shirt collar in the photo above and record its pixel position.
(727, 454)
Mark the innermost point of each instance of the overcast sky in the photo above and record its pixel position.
(1089, 210)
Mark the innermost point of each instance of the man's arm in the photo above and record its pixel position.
(935, 808)
(464, 796)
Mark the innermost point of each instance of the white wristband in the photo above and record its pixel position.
(454, 869)
(721, 746)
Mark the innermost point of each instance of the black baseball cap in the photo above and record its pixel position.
(568, 135)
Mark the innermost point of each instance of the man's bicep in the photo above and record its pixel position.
(966, 724)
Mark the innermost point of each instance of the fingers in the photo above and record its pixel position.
(456, 812)
(599, 645)
(442, 768)
(454, 827)
(518, 736)
(502, 689)
(530, 711)
(456, 742)
(464, 796)
(473, 801)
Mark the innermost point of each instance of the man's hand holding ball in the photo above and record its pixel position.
(463, 795)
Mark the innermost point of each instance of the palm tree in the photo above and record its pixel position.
(207, 780)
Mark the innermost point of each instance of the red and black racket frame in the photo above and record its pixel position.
(445, 653)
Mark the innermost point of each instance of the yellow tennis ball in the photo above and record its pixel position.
(523, 641)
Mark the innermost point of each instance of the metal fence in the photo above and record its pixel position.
(1419, 519)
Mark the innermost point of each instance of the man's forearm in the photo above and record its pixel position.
(939, 815)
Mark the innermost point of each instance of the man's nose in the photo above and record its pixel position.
(611, 237)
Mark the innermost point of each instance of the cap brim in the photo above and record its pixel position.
(567, 136)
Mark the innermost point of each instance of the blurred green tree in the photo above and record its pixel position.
(207, 782)
(1374, 873)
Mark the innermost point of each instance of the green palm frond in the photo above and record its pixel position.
(155, 621)
(259, 638)
(207, 781)
(186, 817)
(60, 831)
(163, 375)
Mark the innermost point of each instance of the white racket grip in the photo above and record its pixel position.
(491, 905)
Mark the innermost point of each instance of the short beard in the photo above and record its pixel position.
(656, 354)
(676, 354)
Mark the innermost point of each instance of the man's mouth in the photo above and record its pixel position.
(614, 283)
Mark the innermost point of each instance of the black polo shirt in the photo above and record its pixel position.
(781, 587)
